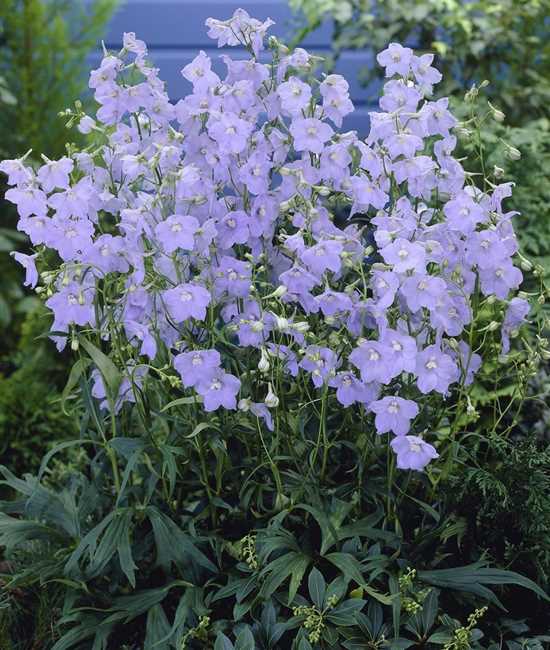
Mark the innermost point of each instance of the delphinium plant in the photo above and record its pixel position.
(277, 326)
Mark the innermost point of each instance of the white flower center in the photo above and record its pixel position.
(393, 407)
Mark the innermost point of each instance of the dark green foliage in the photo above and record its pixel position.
(505, 502)
(43, 50)
(155, 560)
(31, 415)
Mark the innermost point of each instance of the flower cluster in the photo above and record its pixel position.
(242, 219)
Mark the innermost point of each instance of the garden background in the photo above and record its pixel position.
(493, 506)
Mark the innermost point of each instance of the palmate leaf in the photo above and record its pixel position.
(293, 565)
(88, 627)
(42, 505)
(14, 532)
(473, 578)
(173, 545)
(344, 615)
(352, 570)
(111, 536)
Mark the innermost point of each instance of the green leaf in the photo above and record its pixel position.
(59, 447)
(182, 401)
(429, 611)
(111, 376)
(344, 615)
(223, 642)
(293, 564)
(245, 640)
(157, 629)
(78, 369)
(351, 568)
(473, 578)
(329, 522)
(317, 587)
(173, 545)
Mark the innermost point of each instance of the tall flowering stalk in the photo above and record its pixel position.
(237, 260)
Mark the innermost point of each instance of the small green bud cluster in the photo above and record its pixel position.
(314, 622)
(200, 632)
(248, 551)
(411, 602)
(462, 635)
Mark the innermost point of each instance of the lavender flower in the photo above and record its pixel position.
(394, 414)
(412, 452)
(223, 204)
(187, 300)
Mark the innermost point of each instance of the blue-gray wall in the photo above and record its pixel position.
(174, 31)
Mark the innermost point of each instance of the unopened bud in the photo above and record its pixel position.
(263, 365)
(453, 344)
(74, 344)
(513, 153)
(463, 132)
(278, 293)
(301, 327)
(244, 405)
(322, 190)
(498, 172)
(525, 264)
(271, 400)
(498, 115)
(281, 323)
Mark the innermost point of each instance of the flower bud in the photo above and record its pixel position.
(74, 344)
(453, 344)
(525, 264)
(271, 400)
(322, 190)
(471, 95)
(278, 293)
(264, 365)
(498, 172)
(463, 132)
(244, 405)
(512, 153)
(300, 327)
(281, 323)
(497, 114)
